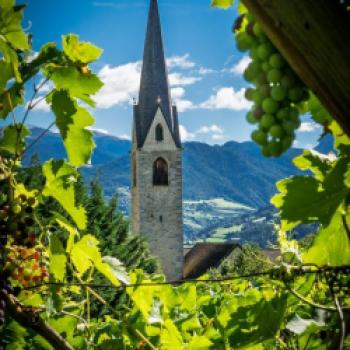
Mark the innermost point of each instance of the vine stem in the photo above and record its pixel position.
(27, 317)
(341, 319)
(306, 301)
(43, 133)
(9, 100)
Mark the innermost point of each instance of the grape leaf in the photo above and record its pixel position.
(79, 85)
(312, 161)
(6, 74)
(249, 324)
(60, 178)
(117, 268)
(57, 256)
(305, 199)
(72, 121)
(223, 4)
(13, 138)
(171, 338)
(10, 99)
(199, 342)
(331, 245)
(10, 26)
(73, 232)
(83, 52)
(85, 253)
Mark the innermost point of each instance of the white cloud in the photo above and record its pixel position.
(178, 79)
(182, 62)
(240, 67)
(205, 71)
(218, 137)
(124, 137)
(101, 131)
(40, 105)
(210, 129)
(182, 104)
(31, 56)
(308, 127)
(121, 83)
(185, 134)
(227, 98)
(177, 92)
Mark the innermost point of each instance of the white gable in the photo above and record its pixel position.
(168, 143)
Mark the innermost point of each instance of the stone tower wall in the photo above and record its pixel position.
(157, 210)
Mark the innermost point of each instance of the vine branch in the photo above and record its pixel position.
(29, 318)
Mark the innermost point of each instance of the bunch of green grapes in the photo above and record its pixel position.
(277, 94)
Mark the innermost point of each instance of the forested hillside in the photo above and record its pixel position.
(234, 171)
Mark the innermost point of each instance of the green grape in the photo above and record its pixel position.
(251, 119)
(283, 114)
(257, 98)
(274, 75)
(257, 30)
(267, 120)
(293, 114)
(258, 112)
(264, 90)
(255, 67)
(254, 52)
(265, 50)
(16, 209)
(259, 137)
(275, 148)
(288, 81)
(288, 127)
(265, 66)
(269, 105)
(278, 93)
(249, 75)
(249, 93)
(261, 79)
(276, 61)
(266, 151)
(287, 142)
(244, 41)
(296, 94)
(276, 131)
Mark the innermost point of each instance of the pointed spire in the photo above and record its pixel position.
(154, 88)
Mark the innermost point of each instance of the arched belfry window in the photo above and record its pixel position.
(160, 172)
(159, 133)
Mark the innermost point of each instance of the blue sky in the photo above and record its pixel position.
(205, 69)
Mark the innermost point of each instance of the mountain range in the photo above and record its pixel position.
(233, 171)
(220, 182)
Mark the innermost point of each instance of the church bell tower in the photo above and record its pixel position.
(157, 158)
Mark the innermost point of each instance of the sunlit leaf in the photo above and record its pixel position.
(72, 122)
(83, 52)
(331, 245)
(60, 179)
(78, 85)
(58, 259)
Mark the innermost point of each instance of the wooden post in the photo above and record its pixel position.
(314, 37)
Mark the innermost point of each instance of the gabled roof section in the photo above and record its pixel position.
(154, 87)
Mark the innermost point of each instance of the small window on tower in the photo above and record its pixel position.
(159, 133)
(160, 173)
